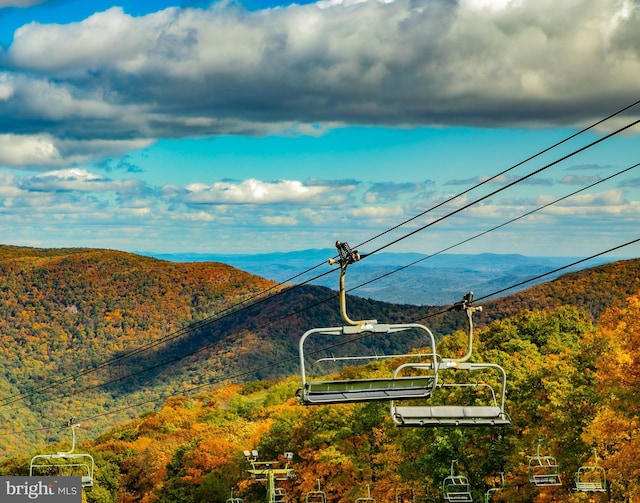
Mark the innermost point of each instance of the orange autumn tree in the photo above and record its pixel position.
(615, 430)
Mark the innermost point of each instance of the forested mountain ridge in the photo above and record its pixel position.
(65, 311)
(570, 386)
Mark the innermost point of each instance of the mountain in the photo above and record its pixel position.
(573, 390)
(404, 278)
(88, 332)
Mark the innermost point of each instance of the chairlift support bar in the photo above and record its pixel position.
(347, 257)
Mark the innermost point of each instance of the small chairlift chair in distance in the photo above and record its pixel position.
(432, 413)
(591, 478)
(65, 463)
(456, 488)
(367, 498)
(543, 471)
(327, 390)
(317, 496)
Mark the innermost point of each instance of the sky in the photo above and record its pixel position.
(254, 126)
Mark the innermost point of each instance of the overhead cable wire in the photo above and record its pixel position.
(505, 171)
(503, 188)
(483, 233)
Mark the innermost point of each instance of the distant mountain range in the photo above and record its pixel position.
(402, 278)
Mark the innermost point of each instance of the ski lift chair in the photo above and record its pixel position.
(318, 496)
(427, 498)
(368, 498)
(456, 488)
(433, 413)
(543, 471)
(591, 478)
(65, 463)
(327, 390)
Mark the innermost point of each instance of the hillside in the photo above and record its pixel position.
(571, 386)
(66, 311)
(71, 323)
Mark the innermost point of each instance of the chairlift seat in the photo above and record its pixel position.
(543, 480)
(449, 415)
(459, 497)
(323, 390)
(315, 497)
(279, 495)
(366, 390)
(591, 479)
(590, 487)
(456, 489)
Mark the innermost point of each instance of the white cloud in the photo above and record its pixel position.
(184, 72)
(77, 180)
(38, 150)
(254, 191)
(45, 150)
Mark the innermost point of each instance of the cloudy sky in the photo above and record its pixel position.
(248, 126)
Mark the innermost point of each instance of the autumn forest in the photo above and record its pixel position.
(175, 371)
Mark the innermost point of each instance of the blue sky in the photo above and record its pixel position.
(248, 127)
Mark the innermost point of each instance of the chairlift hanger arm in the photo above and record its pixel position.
(347, 257)
(466, 305)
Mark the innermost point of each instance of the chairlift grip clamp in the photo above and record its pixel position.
(346, 254)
